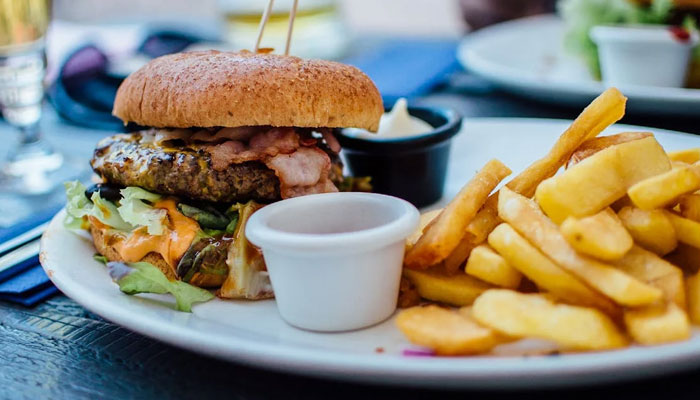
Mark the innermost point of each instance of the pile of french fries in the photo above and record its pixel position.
(600, 256)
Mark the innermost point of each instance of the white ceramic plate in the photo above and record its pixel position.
(527, 57)
(253, 333)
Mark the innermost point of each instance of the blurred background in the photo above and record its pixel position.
(61, 62)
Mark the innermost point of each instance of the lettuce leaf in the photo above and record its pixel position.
(143, 277)
(106, 212)
(78, 207)
(134, 210)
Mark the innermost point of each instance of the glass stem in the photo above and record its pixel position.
(29, 135)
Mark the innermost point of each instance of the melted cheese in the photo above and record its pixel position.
(171, 245)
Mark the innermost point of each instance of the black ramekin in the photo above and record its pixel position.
(412, 168)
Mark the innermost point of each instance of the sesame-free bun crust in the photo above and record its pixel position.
(212, 88)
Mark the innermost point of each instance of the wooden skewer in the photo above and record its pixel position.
(263, 22)
(290, 27)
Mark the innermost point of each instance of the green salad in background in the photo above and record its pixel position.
(581, 15)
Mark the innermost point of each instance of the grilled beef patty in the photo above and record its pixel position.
(128, 160)
(180, 170)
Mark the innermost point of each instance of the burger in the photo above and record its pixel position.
(582, 15)
(223, 134)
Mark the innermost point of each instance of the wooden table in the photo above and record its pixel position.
(60, 350)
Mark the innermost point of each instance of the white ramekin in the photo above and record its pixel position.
(334, 259)
(648, 55)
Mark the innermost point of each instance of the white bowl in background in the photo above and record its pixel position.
(334, 259)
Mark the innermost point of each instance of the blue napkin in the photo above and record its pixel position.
(26, 282)
(36, 219)
(408, 68)
(33, 297)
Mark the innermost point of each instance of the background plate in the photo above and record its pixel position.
(253, 333)
(527, 57)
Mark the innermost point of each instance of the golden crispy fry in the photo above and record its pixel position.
(656, 324)
(600, 180)
(489, 266)
(547, 275)
(444, 235)
(458, 290)
(425, 220)
(524, 215)
(447, 332)
(650, 268)
(690, 206)
(687, 230)
(592, 146)
(679, 164)
(688, 156)
(693, 292)
(686, 258)
(650, 229)
(664, 190)
(459, 255)
(484, 221)
(601, 235)
(604, 111)
(533, 315)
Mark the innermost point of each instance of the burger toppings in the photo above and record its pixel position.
(210, 165)
(195, 242)
(143, 277)
(303, 172)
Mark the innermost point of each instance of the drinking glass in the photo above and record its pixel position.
(33, 167)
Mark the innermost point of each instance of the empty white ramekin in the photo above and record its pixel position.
(647, 55)
(334, 259)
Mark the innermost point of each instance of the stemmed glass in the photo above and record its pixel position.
(32, 167)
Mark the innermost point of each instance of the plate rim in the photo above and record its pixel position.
(473, 372)
(507, 76)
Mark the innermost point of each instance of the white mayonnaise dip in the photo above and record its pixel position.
(394, 124)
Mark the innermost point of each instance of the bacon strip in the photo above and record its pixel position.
(264, 144)
(303, 172)
(301, 169)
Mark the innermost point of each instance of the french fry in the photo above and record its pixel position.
(444, 235)
(547, 275)
(600, 180)
(688, 156)
(657, 324)
(651, 229)
(592, 146)
(524, 215)
(686, 258)
(604, 111)
(458, 290)
(693, 293)
(425, 220)
(690, 206)
(664, 189)
(601, 235)
(533, 315)
(459, 255)
(489, 266)
(447, 332)
(687, 230)
(650, 268)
